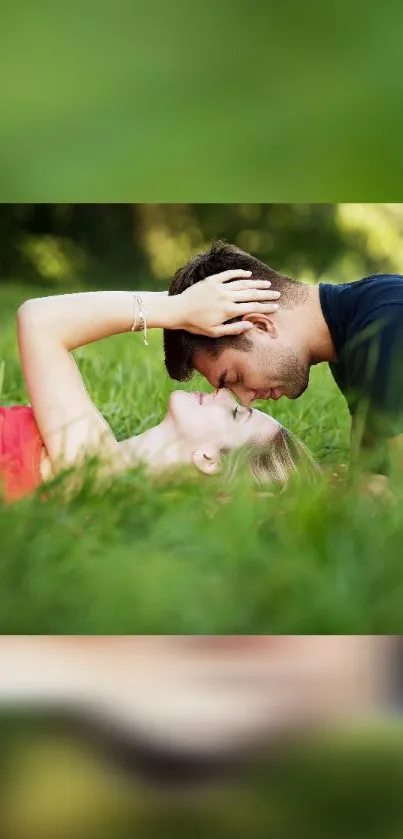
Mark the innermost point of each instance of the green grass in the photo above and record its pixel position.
(182, 557)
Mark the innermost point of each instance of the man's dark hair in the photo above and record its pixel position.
(179, 345)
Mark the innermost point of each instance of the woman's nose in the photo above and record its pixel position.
(223, 395)
(245, 396)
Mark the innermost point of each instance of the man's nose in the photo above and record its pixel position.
(245, 396)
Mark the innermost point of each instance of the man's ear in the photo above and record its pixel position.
(264, 323)
(206, 462)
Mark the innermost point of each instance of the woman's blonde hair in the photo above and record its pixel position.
(273, 462)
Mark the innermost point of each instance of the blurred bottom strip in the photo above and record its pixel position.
(109, 733)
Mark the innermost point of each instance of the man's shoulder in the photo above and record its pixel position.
(350, 308)
(370, 299)
(377, 299)
(364, 311)
(378, 278)
(373, 282)
(370, 349)
(380, 286)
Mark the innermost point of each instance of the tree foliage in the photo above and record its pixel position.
(111, 242)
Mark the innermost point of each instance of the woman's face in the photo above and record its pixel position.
(205, 423)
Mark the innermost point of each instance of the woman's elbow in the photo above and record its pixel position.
(29, 313)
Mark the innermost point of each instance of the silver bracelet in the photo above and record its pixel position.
(140, 320)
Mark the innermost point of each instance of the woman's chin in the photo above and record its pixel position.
(180, 404)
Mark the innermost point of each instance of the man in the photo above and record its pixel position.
(356, 327)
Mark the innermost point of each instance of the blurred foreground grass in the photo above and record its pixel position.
(344, 784)
(184, 556)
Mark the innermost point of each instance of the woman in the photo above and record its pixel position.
(63, 427)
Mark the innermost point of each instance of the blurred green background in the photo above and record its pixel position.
(135, 245)
(152, 101)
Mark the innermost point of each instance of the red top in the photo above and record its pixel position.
(20, 452)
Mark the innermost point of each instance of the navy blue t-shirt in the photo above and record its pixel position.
(365, 320)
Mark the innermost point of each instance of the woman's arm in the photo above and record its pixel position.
(49, 328)
(80, 319)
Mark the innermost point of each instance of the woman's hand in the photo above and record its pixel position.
(204, 307)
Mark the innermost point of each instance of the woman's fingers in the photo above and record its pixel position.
(255, 294)
(239, 309)
(225, 276)
(210, 304)
(231, 329)
(246, 285)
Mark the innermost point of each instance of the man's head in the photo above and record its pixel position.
(267, 362)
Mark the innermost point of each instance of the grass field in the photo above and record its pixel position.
(182, 556)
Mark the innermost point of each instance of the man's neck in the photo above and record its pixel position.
(315, 329)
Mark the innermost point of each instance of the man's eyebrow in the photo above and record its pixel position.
(221, 380)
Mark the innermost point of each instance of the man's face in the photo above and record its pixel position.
(269, 369)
